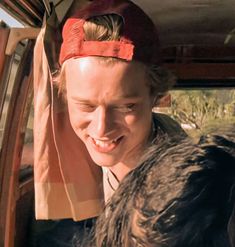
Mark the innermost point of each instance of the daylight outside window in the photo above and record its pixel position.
(202, 111)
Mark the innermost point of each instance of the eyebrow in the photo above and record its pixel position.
(123, 98)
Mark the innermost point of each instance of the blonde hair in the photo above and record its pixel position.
(107, 27)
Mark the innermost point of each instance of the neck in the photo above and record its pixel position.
(120, 170)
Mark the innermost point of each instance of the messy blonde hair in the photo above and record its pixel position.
(109, 27)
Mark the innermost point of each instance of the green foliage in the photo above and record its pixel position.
(202, 110)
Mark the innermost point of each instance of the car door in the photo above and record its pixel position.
(16, 92)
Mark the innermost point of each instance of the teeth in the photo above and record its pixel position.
(104, 143)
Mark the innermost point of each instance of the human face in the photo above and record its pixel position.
(110, 108)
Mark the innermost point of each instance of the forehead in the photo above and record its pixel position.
(105, 63)
(90, 73)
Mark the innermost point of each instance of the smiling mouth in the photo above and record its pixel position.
(105, 146)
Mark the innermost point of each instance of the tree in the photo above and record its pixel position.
(199, 108)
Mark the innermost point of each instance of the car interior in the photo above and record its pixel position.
(198, 45)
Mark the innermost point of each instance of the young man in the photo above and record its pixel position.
(109, 80)
(181, 195)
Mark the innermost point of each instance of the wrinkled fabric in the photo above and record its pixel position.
(67, 182)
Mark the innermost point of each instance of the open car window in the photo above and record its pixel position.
(201, 111)
(198, 40)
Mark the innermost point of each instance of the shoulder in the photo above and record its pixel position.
(168, 125)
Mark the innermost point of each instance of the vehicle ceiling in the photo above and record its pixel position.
(201, 30)
(192, 21)
(179, 21)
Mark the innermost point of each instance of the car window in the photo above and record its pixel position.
(201, 111)
(9, 83)
(8, 21)
(27, 158)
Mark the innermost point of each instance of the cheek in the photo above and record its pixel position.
(139, 120)
(77, 118)
(130, 120)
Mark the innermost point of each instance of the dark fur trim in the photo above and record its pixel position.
(181, 196)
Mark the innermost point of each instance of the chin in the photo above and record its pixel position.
(104, 160)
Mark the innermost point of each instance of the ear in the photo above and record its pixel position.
(165, 101)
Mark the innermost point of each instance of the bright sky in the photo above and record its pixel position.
(8, 19)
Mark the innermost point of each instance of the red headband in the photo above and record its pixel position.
(139, 38)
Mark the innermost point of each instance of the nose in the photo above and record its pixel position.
(102, 123)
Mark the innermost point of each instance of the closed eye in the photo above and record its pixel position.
(126, 108)
(86, 107)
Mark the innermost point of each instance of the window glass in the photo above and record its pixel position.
(9, 20)
(12, 70)
(10, 84)
(202, 111)
(27, 158)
